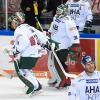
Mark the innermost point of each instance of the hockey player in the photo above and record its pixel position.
(80, 12)
(87, 85)
(27, 41)
(62, 30)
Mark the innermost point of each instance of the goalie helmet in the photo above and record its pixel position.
(21, 16)
(62, 10)
(17, 19)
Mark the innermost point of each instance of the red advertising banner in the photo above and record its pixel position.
(87, 46)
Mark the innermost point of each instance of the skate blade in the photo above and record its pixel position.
(36, 93)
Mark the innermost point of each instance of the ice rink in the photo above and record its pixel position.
(13, 89)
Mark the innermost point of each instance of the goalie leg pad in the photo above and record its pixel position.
(51, 66)
(62, 58)
(29, 76)
(22, 78)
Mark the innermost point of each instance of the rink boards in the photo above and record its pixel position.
(89, 45)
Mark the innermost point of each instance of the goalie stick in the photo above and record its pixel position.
(66, 74)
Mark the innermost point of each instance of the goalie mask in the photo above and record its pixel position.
(62, 10)
(16, 19)
(21, 16)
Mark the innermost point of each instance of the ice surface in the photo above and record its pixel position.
(13, 89)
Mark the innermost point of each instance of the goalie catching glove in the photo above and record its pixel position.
(74, 52)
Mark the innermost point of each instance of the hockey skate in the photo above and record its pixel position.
(37, 91)
(64, 83)
(57, 84)
(52, 84)
(30, 90)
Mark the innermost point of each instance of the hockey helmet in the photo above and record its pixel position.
(21, 16)
(86, 59)
(62, 10)
(18, 18)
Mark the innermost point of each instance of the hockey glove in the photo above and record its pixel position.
(74, 52)
(52, 44)
(88, 24)
(87, 28)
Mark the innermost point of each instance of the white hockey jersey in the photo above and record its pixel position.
(85, 87)
(27, 39)
(64, 31)
(80, 11)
